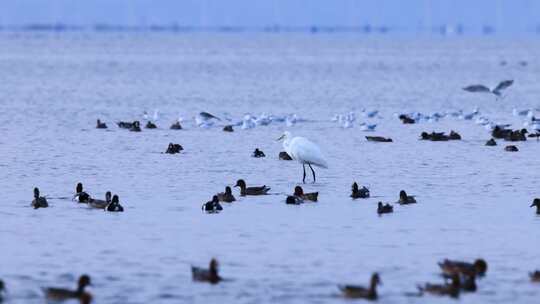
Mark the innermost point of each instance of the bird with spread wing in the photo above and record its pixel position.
(497, 91)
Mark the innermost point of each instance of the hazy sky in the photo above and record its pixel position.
(513, 15)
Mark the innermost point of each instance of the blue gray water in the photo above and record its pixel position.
(473, 200)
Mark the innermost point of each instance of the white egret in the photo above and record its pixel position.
(304, 151)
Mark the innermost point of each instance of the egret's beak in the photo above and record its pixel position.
(281, 137)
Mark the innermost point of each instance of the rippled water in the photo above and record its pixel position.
(473, 200)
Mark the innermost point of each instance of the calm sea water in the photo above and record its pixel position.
(473, 200)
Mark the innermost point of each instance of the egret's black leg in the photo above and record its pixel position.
(304, 179)
(312, 171)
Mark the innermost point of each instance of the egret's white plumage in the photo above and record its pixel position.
(304, 151)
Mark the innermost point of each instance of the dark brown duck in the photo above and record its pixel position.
(359, 192)
(360, 292)
(445, 289)
(451, 267)
(209, 275)
(61, 294)
(244, 190)
(39, 201)
(405, 199)
(226, 196)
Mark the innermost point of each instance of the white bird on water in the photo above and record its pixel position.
(304, 151)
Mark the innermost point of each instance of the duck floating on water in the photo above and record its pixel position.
(384, 208)
(39, 201)
(378, 139)
(61, 294)
(491, 142)
(174, 148)
(135, 127)
(299, 192)
(101, 125)
(517, 135)
(258, 153)
(114, 206)
(284, 156)
(100, 204)
(176, 126)
(536, 202)
(450, 267)
(124, 124)
(511, 148)
(212, 206)
(360, 292)
(2, 291)
(405, 199)
(82, 197)
(228, 128)
(150, 125)
(445, 289)
(405, 119)
(226, 196)
(244, 190)
(359, 192)
(209, 275)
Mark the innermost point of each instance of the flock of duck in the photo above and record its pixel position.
(111, 202)
(459, 276)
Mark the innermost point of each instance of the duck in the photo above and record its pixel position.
(174, 148)
(293, 200)
(209, 275)
(500, 132)
(359, 192)
(228, 128)
(406, 119)
(491, 142)
(212, 206)
(226, 196)
(284, 156)
(299, 192)
(405, 199)
(258, 153)
(451, 289)
(176, 126)
(454, 135)
(101, 125)
(81, 196)
(451, 267)
(360, 292)
(384, 208)
(378, 139)
(100, 204)
(511, 148)
(39, 201)
(535, 276)
(135, 127)
(517, 135)
(150, 125)
(536, 202)
(61, 294)
(124, 124)
(114, 205)
(262, 190)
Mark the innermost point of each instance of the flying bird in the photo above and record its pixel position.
(497, 91)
